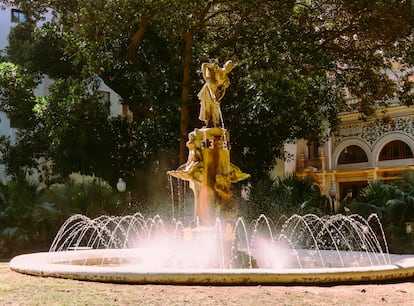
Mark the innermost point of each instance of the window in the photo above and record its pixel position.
(396, 149)
(352, 154)
(17, 16)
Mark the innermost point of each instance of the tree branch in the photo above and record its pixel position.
(137, 38)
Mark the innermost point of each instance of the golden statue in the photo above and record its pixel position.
(217, 81)
(208, 168)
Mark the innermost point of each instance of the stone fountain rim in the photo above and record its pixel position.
(57, 264)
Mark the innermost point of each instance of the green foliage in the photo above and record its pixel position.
(30, 216)
(75, 122)
(17, 206)
(286, 196)
(394, 204)
(390, 202)
(40, 50)
(270, 99)
(86, 195)
(74, 132)
(16, 92)
(296, 59)
(300, 195)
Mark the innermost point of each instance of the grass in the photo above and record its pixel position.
(20, 289)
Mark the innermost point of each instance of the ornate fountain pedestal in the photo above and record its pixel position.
(210, 174)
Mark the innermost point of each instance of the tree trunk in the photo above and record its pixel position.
(137, 38)
(185, 96)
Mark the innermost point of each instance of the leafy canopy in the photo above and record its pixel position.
(299, 60)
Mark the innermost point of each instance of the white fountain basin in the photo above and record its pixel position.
(122, 266)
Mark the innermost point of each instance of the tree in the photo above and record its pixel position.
(17, 101)
(16, 96)
(298, 57)
(68, 131)
(281, 198)
(17, 210)
(40, 50)
(394, 204)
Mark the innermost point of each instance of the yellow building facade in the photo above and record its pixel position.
(377, 148)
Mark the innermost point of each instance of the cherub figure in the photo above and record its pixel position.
(192, 169)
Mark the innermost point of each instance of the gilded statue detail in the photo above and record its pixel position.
(216, 82)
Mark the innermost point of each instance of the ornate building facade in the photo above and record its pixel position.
(378, 148)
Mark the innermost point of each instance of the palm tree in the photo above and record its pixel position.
(285, 196)
(299, 195)
(86, 195)
(17, 204)
(394, 205)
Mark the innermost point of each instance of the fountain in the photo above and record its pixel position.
(208, 169)
(219, 248)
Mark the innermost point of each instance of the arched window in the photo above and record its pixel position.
(352, 154)
(396, 149)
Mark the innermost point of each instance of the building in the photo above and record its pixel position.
(377, 148)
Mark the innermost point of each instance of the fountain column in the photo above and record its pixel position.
(215, 186)
(210, 173)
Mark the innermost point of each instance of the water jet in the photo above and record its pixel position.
(132, 249)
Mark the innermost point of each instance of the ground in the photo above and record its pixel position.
(19, 289)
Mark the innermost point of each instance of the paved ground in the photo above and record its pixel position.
(19, 289)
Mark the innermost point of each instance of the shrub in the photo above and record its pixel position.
(18, 199)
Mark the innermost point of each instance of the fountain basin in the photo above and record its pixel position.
(121, 266)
